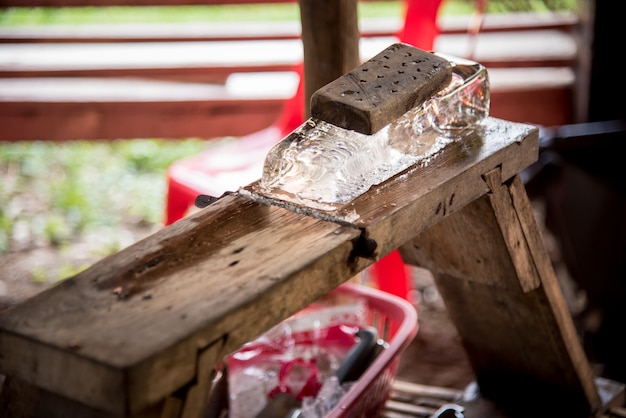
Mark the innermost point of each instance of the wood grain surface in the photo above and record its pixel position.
(136, 327)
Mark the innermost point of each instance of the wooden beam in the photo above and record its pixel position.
(544, 105)
(59, 121)
(228, 273)
(219, 275)
(251, 31)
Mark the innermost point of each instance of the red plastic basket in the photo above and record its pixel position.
(396, 322)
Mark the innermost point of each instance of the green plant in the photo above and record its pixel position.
(69, 270)
(62, 190)
(93, 195)
(56, 229)
(6, 228)
(175, 14)
(495, 6)
(39, 275)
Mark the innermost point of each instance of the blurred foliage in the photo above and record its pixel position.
(52, 192)
(497, 6)
(244, 12)
(147, 14)
(175, 14)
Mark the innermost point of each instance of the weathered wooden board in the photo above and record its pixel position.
(126, 332)
(233, 31)
(132, 118)
(134, 328)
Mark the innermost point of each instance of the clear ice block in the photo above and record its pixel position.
(323, 166)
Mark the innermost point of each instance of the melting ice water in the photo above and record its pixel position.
(322, 166)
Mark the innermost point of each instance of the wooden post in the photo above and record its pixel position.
(330, 37)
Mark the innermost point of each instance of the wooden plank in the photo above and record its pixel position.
(228, 272)
(515, 21)
(196, 397)
(220, 58)
(149, 59)
(152, 32)
(64, 116)
(184, 60)
(59, 121)
(543, 105)
(513, 49)
(512, 233)
(221, 274)
(501, 292)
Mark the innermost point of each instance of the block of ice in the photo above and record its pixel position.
(323, 166)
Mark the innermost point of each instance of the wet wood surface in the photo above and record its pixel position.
(127, 333)
(398, 210)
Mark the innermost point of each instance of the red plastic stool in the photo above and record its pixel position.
(420, 23)
(232, 165)
(238, 163)
(219, 170)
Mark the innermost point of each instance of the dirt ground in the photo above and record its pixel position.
(435, 357)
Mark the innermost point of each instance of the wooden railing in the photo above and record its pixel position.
(121, 81)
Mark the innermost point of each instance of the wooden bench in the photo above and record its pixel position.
(136, 334)
(105, 82)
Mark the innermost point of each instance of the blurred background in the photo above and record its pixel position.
(102, 107)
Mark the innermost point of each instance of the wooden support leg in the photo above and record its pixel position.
(501, 292)
(20, 399)
(195, 400)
